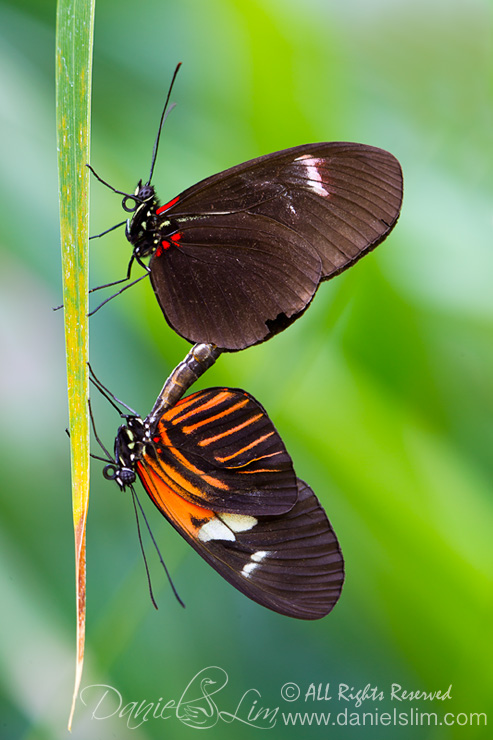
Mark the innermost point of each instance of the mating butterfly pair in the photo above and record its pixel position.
(234, 260)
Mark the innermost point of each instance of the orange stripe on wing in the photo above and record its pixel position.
(220, 415)
(257, 470)
(179, 407)
(178, 509)
(216, 400)
(163, 437)
(171, 477)
(255, 460)
(193, 469)
(171, 471)
(243, 449)
(237, 428)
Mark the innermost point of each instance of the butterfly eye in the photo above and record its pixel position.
(146, 192)
(133, 207)
(127, 476)
(109, 472)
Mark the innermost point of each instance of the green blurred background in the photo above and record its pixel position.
(382, 392)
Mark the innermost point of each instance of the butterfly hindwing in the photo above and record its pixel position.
(229, 281)
(243, 251)
(291, 563)
(218, 448)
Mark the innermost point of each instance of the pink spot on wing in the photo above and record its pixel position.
(314, 168)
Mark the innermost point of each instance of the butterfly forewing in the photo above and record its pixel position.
(218, 448)
(243, 252)
(290, 563)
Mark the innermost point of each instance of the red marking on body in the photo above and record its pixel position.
(161, 209)
(158, 251)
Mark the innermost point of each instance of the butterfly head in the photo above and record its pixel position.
(130, 443)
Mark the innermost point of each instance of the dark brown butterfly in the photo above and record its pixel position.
(216, 468)
(238, 257)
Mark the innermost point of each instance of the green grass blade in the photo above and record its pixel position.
(74, 44)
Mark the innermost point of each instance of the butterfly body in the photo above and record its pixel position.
(142, 228)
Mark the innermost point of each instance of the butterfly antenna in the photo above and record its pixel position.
(136, 499)
(164, 115)
(151, 594)
(119, 292)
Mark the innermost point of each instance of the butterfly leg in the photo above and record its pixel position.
(118, 282)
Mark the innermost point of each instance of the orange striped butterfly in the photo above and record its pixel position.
(216, 468)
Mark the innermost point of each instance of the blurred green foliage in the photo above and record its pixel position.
(382, 391)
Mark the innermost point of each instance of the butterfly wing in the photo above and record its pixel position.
(231, 279)
(218, 448)
(291, 563)
(244, 251)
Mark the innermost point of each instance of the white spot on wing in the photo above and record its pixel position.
(247, 569)
(215, 529)
(255, 560)
(258, 556)
(239, 522)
